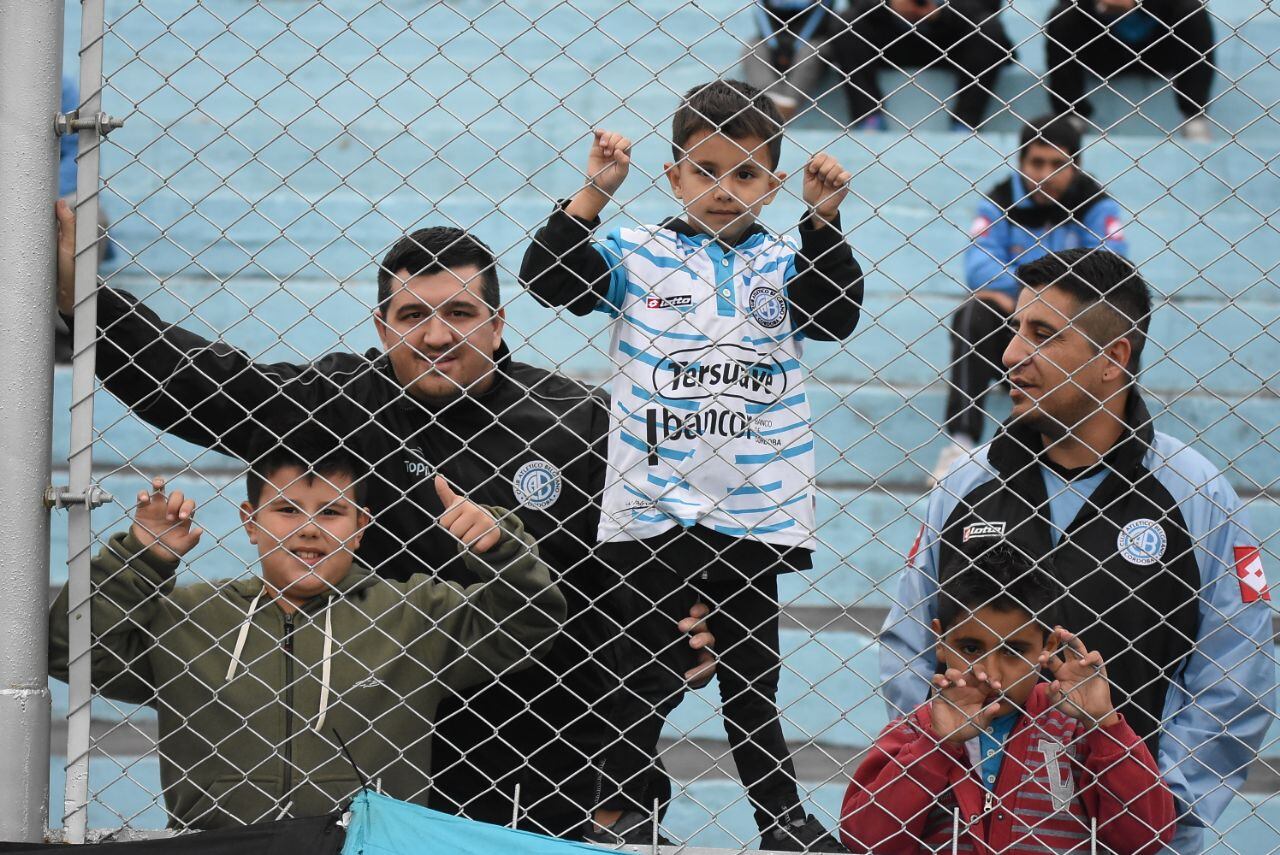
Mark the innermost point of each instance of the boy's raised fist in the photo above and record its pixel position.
(466, 520)
(826, 183)
(163, 524)
(609, 161)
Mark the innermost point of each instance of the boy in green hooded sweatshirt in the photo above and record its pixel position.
(252, 677)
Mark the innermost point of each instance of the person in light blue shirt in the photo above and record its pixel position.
(1047, 204)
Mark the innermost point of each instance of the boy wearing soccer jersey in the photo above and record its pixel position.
(709, 487)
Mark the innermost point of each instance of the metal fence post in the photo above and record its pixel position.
(30, 90)
(75, 808)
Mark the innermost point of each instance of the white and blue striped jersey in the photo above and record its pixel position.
(710, 418)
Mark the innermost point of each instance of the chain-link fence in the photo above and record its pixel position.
(783, 402)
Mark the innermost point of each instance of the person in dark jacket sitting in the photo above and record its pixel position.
(964, 37)
(1172, 38)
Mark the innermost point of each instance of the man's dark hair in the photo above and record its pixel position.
(1004, 579)
(309, 447)
(433, 250)
(730, 107)
(1055, 129)
(1101, 278)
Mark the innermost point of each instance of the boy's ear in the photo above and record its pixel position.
(246, 520)
(775, 184)
(940, 648)
(363, 518)
(672, 171)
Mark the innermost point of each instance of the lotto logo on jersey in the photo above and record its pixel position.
(982, 531)
(979, 227)
(680, 301)
(1253, 581)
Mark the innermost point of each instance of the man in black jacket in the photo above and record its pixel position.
(443, 396)
(964, 37)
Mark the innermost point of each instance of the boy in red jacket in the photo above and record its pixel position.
(999, 760)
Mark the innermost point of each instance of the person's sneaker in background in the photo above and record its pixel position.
(872, 122)
(1197, 129)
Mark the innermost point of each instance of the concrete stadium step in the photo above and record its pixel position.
(585, 60)
(1200, 229)
(1231, 349)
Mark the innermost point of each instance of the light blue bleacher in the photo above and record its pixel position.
(416, 135)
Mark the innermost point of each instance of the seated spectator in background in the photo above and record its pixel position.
(1038, 762)
(1163, 577)
(1171, 38)
(1047, 204)
(784, 59)
(252, 676)
(963, 36)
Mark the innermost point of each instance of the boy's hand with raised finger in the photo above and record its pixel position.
(1080, 687)
(465, 520)
(163, 524)
(826, 183)
(960, 707)
(608, 163)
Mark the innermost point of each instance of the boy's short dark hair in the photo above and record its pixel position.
(1058, 130)
(1003, 578)
(311, 448)
(1099, 277)
(730, 107)
(434, 249)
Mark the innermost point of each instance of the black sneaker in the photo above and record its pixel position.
(800, 835)
(633, 828)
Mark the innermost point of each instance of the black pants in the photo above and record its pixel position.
(744, 620)
(1181, 50)
(972, 50)
(979, 336)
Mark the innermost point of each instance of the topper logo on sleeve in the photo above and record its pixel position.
(678, 301)
(982, 530)
(536, 485)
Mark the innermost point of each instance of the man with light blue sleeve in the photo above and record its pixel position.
(1149, 540)
(1047, 204)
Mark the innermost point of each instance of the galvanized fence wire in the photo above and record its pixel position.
(272, 154)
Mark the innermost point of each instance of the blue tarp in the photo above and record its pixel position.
(381, 825)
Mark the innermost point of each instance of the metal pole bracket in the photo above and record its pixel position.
(61, 496)
(71, 122)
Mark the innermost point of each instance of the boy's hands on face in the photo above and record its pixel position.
(1080, 687)
(66, 257)
(607, 167)
(960, 708)
(826, 183)
(163, 524)
(467, 521)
